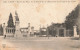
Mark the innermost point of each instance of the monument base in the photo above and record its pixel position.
(18, 35)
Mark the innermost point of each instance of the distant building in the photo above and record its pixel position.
(59, 30)
(56, 30)
(43, 31)
(27, 31)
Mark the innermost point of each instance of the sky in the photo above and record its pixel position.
(36, 13)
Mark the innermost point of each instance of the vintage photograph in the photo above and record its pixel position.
(39, 24)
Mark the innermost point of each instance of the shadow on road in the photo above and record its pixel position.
(74, 38)
(76, 46)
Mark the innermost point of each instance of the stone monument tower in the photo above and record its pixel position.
(17, 26)
(29, 29)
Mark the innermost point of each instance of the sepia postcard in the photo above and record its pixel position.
(39, 24)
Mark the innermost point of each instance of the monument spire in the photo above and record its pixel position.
(17, 26)
(16, 17)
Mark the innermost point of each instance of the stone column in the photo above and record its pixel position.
(68, 32)
(57, 32)
(9, 31)
(75, 31)
(64, 32)
(4, 29)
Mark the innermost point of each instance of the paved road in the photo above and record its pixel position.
(41, 44)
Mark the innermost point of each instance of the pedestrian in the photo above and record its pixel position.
(4, 36)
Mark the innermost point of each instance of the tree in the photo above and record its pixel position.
(71, 19)
(10, 21)
(78, 21)
(1, 29)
